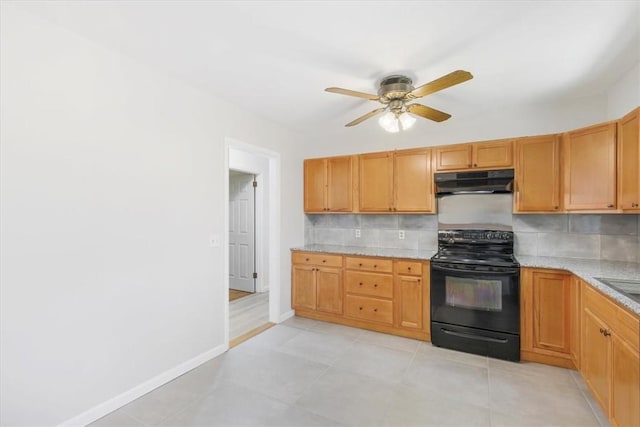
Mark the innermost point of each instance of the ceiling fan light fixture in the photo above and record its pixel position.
(389, 122)
(406, 120)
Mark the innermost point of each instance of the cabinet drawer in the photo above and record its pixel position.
(409, 267)
(599, 305)
(372, 309)
(309, 258)
(626, 325)
(377, 285)
(370, 264)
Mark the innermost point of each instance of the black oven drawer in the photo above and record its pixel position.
(476, 341)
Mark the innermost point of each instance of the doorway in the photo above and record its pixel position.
(245, 164)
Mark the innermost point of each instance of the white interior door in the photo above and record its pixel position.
(241, 231)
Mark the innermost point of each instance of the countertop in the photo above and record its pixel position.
(586, 269)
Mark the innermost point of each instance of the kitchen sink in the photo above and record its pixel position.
(630, 288)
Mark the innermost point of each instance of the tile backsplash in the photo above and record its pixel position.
(609, 237)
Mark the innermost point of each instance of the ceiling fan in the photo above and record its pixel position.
(396, 91)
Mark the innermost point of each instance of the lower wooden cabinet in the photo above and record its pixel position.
(546, 316)
(610, 362)
(381, 294)
(317, 282)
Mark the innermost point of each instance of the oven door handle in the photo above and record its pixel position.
(474, 337)
(506, 270)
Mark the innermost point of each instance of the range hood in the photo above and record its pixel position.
(476, 182)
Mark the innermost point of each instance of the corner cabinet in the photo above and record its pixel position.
(590, 168)
(537, 172)
(396, 181)
(610, 362)
(479, 155)
(628, 162)
(328, 184)
(546, 316)
(381, 294)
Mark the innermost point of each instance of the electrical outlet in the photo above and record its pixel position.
(357, 233)
(401, 234)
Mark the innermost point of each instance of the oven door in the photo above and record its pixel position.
(476, 296)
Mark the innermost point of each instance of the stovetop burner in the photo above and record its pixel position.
(479, 247)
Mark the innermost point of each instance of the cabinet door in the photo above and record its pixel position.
(590, 168)
(496, 154)
(596, 356)
(376, 182)
(453, 157)
(329, 290)
(628, 161)
(314, 185)
(413, 183)
(538, 174)
(625, 380)
(551, 307)
(409, 302)
(340, 184)
(575, 328)
(304, 287)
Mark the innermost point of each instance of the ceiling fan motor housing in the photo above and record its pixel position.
(394, 88)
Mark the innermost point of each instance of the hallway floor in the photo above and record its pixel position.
(248, 313)
(304, 372)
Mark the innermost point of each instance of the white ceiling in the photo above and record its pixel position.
(276, 57)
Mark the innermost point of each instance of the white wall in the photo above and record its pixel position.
(624, 95)
(112, 178)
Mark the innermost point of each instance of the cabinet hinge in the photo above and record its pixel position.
(255, 184)
(255, 275)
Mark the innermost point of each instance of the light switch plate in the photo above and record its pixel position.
(357, 233)
(401, 234)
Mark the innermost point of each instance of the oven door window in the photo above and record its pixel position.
(474, 294)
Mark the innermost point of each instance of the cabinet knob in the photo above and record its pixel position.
(609, 206)
(360, 308)
(360, 265)
(389, 208)
(324, 260)
(475, 165)
(360, 283)
(556, 207)
(601, 331)
(375, 265)
(409, 268)
(375, 285)
(375, 310)
(306, 259)
(606, 333)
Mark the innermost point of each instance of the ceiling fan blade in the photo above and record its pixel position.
(352, 93)
(443, 82)
(365, 117)
(427, 112)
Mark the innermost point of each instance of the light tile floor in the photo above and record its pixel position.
(308, 373)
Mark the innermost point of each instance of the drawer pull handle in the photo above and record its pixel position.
(609, 206)
(306, 259)
(360, 308)
(360, 283)
(360, 265)
(324, 260)
(375, 265)
(409, 268)
(375, 285)
(375, 310)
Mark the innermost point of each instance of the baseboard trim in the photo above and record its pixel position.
(288, 315)
(129, 396)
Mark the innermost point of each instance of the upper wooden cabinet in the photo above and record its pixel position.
(628, 160)
(478, 155)
(399, 181)
(590, 168)
(538, 174)
(328, 184)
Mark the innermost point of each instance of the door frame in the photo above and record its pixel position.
(267, 221)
